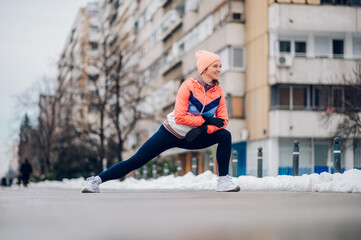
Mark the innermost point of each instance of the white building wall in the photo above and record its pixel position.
(233, 35)
(349, 154)
(252, 153)
(314, 18)
(233, 82)
(270, 150)
(284, 123)
(319, 71)
(273, 156)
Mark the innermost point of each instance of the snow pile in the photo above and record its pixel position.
(348, 182)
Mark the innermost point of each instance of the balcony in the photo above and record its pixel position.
(171, 65)
(310, 70)
(94, 36)
(285, 123)
(160, 98)
(93, 54)
(171, 29)
(326, 18)
(170, 22)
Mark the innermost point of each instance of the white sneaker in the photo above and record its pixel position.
(91, 185)
(225, 184)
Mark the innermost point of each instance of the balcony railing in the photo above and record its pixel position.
(311, 70)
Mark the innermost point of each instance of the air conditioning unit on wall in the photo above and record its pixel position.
(284, 60)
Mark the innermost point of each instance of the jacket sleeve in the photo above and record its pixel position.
(220, 113)
(181, 108)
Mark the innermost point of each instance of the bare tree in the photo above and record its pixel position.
(41, 100)
(128, 88)
(45, 130)
(348, 107)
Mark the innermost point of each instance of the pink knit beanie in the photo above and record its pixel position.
(204, 59)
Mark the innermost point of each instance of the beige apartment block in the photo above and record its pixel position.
(78, 64)
(297, 52)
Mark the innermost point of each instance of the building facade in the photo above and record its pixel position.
(283, 63)
(297, 55)
(159, 39)
(78, 68)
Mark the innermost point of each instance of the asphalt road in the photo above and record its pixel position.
(49, 214)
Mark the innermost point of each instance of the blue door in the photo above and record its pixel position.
(241, 149)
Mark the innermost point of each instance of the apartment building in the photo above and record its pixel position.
(158, 39)
(297, 53)
(78, 66)
(282, 68)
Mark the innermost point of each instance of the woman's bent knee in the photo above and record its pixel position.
(225, 135)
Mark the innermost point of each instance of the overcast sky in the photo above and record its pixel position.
(32, 36)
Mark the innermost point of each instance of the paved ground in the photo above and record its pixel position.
(35, 213)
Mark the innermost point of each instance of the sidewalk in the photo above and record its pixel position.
(162, 214)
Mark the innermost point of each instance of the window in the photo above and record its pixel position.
(357, 155)
(285, 47)
(191, 5)
(284, 97)
(356, 46)
(235, 106)
(232, 58)
(300, 48)
(294, 46)
(223, 54)
(299, 97)
(355, 2)
(294, 97)
(337, 97)
(236, 16)
(322, 46)
(352, 98)
(285, 156)
(337, 48)
(340, 2)
(321, 98)
(194, 37)
(237, 57)
(321, 156)
(93, 45)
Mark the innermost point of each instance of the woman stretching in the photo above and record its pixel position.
(198, 121)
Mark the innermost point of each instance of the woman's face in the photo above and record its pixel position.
(213, 71)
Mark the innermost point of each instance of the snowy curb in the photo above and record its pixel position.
(348, 182)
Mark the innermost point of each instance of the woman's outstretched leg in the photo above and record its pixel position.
(158, 143)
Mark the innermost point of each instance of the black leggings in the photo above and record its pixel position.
(163, 140)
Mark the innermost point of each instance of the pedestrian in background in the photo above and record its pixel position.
(198, 121)
(25, 171)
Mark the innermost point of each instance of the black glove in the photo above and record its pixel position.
(196, 132)
(218, 122)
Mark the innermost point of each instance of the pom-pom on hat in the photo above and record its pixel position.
(204, 59)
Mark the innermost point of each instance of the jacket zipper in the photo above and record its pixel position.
(205, 99)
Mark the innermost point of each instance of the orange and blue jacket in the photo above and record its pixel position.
(193, 102)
